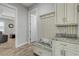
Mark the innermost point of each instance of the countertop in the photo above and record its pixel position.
(68, 40)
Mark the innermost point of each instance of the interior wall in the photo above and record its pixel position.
(48, 28)
(45, 8)
(42, 8)
(21, 26)
(8, 30)
(23, 21)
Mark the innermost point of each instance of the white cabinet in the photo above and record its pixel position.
(66, 49)
(66, 13)
(71, 13)
(59, 49)
(69, 52)
(60, 13)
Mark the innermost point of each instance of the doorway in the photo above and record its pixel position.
(33, 25)
(8, 28)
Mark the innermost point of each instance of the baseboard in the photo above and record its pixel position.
(21, 44)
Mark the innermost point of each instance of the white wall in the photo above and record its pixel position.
(45, 8)
(8, 30)
(22, 22)
(42, 8)
(21, 36)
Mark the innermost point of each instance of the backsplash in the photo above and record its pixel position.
(67, 32)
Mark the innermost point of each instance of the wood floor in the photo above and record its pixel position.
(8, 49)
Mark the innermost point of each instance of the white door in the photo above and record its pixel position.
(33, 27)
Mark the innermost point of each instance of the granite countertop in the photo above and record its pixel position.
(68, 40)
(42, 45)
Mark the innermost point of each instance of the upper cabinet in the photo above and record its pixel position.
(71, 13)
(66, 13)
(60, 13)
(7, 12)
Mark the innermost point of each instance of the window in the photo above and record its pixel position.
(2, 26)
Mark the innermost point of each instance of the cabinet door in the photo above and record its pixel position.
(66, 49)
(60, 13)
(69, 52)
(59, 49)
(71, 13)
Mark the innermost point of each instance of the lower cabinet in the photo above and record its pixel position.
(65, 49)
(59, 50)
(69, 52)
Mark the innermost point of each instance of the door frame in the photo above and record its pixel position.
(29, 24)
(16, 11)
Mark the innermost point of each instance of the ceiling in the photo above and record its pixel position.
(27, 4)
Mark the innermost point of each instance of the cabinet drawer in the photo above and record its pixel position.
(70, 52)
(66, 45)
(73, 47)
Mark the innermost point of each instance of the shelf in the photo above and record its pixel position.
(66, 25)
